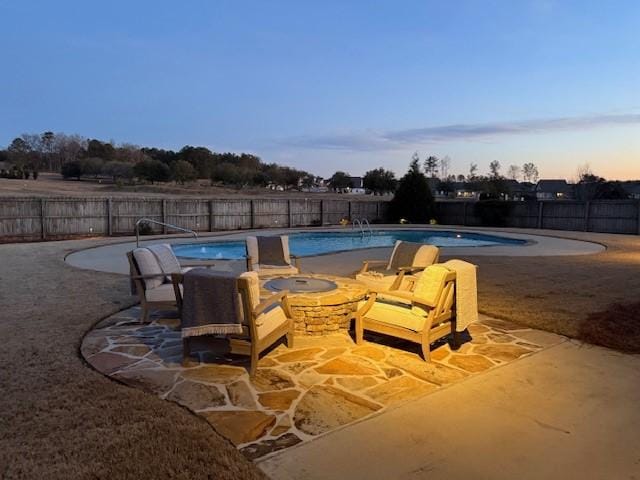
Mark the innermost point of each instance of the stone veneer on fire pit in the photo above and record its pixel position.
(323, 313)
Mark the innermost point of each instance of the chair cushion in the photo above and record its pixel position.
(376, 280)
(252, 251)
(430, 282)
(397, 315)
(269, 321)
(166, 258)
(148, 265)
(161, 293)
(426, 255)
(276, 270)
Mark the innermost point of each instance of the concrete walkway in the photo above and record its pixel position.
(568, 412)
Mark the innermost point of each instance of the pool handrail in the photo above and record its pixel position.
(361, 223)
(169, 225)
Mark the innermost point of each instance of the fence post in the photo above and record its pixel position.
(378, 211)
(322, 215)
(349, 211)
(587, 208)
(43, 224)
(638, 217)
(540, 209)
(464, 212)
(110, 216)
(211, 216)
(164, 215)
(252, 214)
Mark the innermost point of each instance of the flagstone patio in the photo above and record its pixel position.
(322, 384)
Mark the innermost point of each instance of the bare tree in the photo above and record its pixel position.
(494, 168)
(583, 172)
(473, 172)
(445, 164)
(530, 172)
(514, 172)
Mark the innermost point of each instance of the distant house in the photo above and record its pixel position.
(435, 185)
(554, 190)
(357, 186)
(632, 188)
(463, 191)
(519, 190)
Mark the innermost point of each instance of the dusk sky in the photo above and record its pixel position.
(333, 85)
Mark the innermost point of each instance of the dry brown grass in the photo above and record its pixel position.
(616, 327)
(61, 419)
(50, 184)
(559, 294)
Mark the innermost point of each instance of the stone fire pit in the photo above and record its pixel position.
(322, 313)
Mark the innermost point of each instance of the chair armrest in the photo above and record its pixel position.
(296, 261)
(144, 277)
(367, 263)
(249, 262)
(402, 295)
(280, 297)
(367, 305)
(411, 269)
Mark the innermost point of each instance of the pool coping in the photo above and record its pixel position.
(544, 243)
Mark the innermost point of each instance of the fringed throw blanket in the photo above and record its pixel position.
(404, 254)
(270, 251)
(211, 303)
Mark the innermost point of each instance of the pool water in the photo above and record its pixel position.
(318, 243)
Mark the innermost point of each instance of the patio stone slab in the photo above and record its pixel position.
(257, 450)
(431, 372)
(357, 383)
(197, 396)
(347, 366)
(504, 353)
(280, 400)
(270, 379)
(240, 395)
(400, 390)
(323, 408)
(110, 362)
(471, 363)
(214, 373)
(154, 380)
(133, 350)
(299, 355)
(370, 351)
(240, 426)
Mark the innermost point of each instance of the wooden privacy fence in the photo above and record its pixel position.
(604, 216)
(27, 218)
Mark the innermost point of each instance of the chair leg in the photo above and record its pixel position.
(145, 313)
(455, 340)
(290, 339)
(359, 330)
(254, 361)
(426, 351)
(186, 352)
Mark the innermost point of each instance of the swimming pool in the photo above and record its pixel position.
(317, 243)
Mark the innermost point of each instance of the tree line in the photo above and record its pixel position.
(76, 157)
